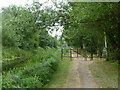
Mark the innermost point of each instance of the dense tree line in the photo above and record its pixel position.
(25, 27)
(94, 26)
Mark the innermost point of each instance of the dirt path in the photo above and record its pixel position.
(80, 76)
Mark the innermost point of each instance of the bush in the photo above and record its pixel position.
(13, 57)
(37, 71)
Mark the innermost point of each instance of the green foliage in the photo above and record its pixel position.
(22, 28)
(23, 38)
(87, 24)
(9, 64)
(9, 53)
(65, 51)
(62, 72)
(29, 52)
(35, 73)
(25, 35)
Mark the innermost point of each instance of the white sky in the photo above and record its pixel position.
(6, 3)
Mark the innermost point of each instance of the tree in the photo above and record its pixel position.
(93, 19)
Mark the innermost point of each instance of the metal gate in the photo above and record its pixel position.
(72, 53)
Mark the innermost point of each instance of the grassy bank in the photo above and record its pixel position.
(58, 79)
(106, 73)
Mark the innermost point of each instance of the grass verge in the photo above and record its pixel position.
(105, 73)
(59, 77)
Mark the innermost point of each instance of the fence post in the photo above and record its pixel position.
(61, 53)
(85, 55)
(80, 51)
(70, 54)
(77, 52)
(91, 56)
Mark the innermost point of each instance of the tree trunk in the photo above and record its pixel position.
(105, 44)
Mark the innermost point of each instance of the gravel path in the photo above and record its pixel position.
(79, 75)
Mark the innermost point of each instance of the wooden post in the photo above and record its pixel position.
(80, 51)
(70, 54)
(61, 53)
(85, 55)
(77, 52)
(91, 56)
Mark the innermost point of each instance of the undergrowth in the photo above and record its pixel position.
(36, 72)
